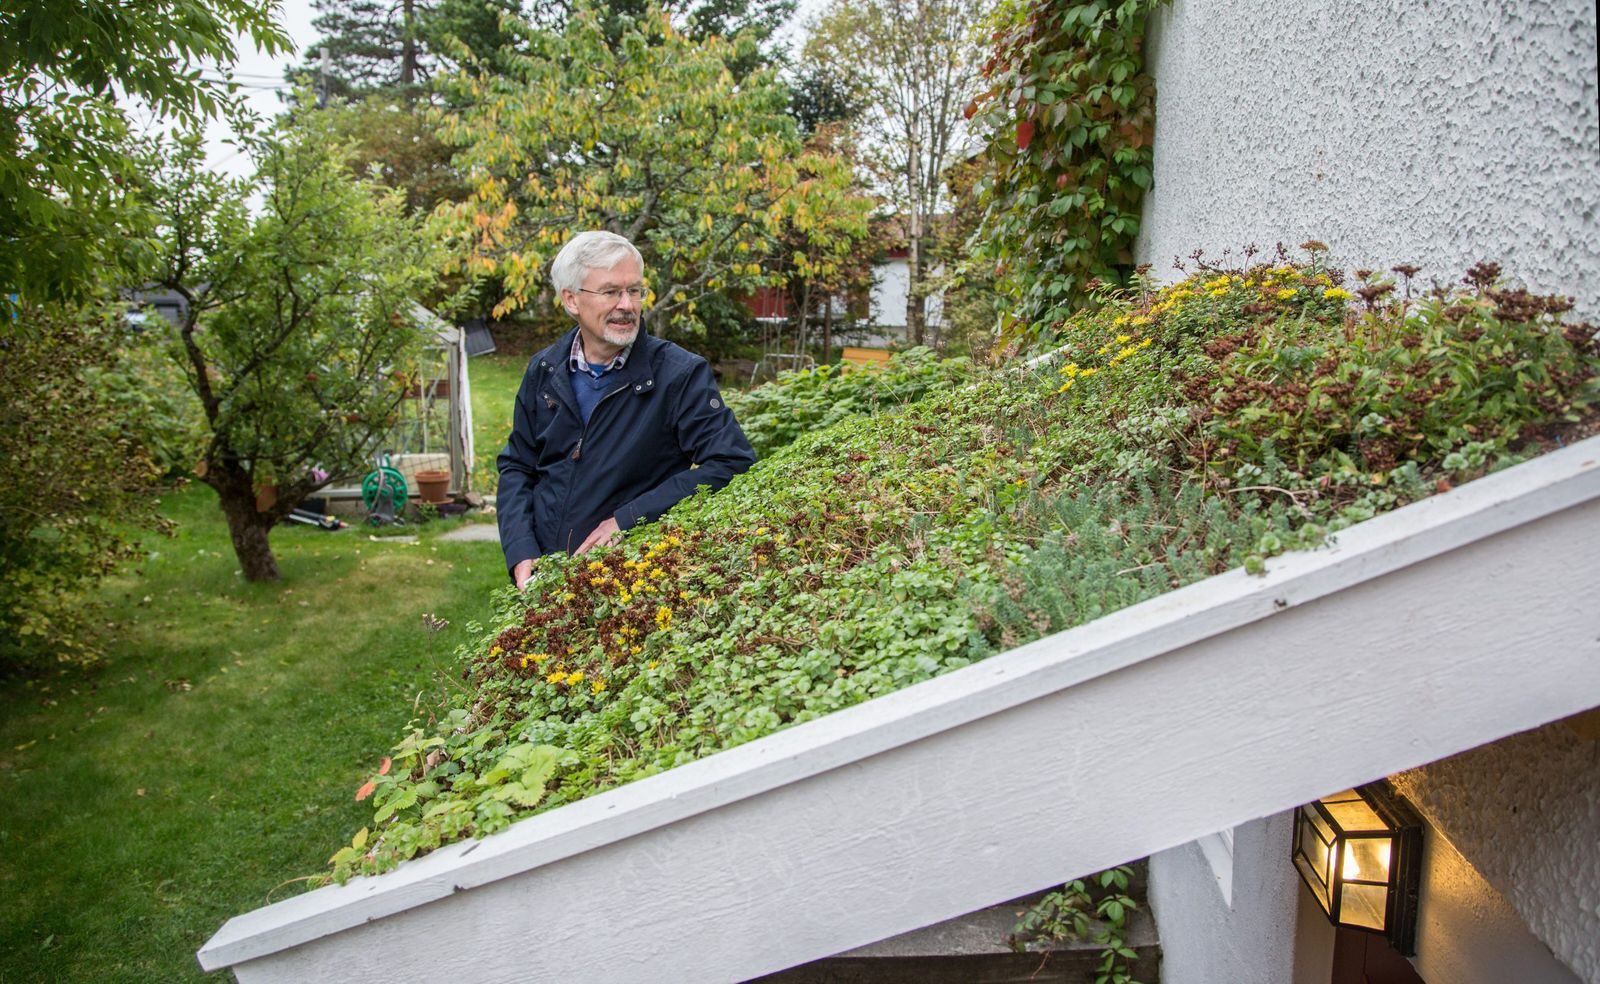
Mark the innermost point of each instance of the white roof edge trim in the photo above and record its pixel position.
(1477, 510)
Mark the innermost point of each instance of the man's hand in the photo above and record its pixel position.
(606, 532)
(521, 573)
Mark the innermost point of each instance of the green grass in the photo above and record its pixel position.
(214, 756)
(495, 379)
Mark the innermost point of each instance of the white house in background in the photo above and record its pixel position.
(891, 285)
(1447, 646)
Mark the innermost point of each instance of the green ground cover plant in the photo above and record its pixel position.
(798, 401)
(1181, 432)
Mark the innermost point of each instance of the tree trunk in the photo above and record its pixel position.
(914, 249)
(827, 329)
(805, 321)
(246, 527)
(408, 44)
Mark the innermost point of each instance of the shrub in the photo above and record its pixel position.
(77, 480)
(1172, 442)
(775, 414)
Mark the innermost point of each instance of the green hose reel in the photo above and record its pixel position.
(384, 492)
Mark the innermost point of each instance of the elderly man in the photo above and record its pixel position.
(612, 426)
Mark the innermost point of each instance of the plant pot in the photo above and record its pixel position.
(433, 485)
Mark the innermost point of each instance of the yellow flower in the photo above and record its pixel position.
(567, 596)
(1124, 339)
(1146, 343)
(1065, 386)
(663, 617)
(540, 657)
(575, 677)
(555, 676)
(636, 650)
(652, 665)
(762, 531)
(595, 565)
(1286, 293)
(496, 651)
(1089, 372)
(1336, 294)
(598, 686)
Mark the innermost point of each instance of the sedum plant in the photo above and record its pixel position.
(1182, 431)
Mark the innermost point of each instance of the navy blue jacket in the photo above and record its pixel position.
(660, 414)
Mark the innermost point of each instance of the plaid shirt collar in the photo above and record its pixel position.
(577, 363)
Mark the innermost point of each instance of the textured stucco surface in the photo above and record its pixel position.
(1203, 939)
(1525, 811)
(1395, 131)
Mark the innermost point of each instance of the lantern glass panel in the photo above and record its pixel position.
(1366, 859)
(1363, 905)
(1351, 812)
(1314, 855)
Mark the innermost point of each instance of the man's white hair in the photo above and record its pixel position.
(588, 251)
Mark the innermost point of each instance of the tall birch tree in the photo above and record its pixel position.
(913, 65)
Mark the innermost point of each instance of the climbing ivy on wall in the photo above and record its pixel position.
(1069, 113)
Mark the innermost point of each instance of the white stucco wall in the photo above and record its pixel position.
(1203, 938)
(1467, 933)
(1526, 812)
(1437, 133)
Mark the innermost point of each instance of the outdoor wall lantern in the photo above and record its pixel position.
(1360, 853)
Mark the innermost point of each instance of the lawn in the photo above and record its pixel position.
(495, 379)
(214, 756)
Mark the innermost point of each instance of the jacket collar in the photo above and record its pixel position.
(637, 373)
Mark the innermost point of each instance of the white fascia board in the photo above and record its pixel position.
(1158, 638)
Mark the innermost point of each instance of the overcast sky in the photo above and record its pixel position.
(262, 77)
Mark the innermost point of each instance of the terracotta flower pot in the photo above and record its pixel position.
(433, 485)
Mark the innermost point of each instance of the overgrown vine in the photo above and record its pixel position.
(1097, 909)
(1070, 114)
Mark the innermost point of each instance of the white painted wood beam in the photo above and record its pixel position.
(1419, 634)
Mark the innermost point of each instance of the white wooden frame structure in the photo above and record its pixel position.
(1421, 633)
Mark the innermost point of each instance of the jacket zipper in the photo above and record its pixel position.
(577, 455)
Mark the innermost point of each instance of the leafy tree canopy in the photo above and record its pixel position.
(64, 169)
(653, 138)
(381, 46)
(300, 331)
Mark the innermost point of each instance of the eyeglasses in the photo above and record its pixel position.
(614, 294)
